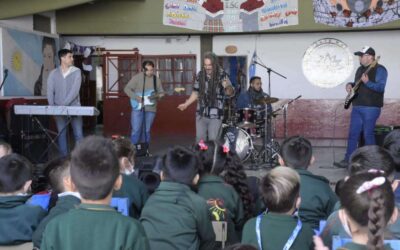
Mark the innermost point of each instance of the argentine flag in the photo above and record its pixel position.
(252, 67)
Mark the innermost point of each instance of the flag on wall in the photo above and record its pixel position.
(252, 67)
(28, 59)
(356, 13)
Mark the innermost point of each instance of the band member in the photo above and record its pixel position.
(143, 115)
(63, 85)
(211, 86)
(367, 103)
(253, 97)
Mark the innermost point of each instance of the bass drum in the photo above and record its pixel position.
(239, 141)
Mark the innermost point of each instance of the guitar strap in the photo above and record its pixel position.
(155, 83)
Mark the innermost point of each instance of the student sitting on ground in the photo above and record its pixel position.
(368, 206)
(367, 158)
(392, 144)
(279, 227)
(175, 217)
(224, 202)
(17, 219)
(61, 187)
(317, 197)
(94, 224)
(132, 188)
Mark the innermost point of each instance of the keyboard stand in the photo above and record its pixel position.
(49, 133)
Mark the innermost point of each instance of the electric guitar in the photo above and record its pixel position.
(149, 97)
(353, 92)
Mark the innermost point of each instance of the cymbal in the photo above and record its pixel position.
(266, 100)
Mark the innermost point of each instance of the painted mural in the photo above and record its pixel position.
(28, 59)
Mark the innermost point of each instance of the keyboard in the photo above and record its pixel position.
(55, 110)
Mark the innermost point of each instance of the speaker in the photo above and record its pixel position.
(31, 145)
(380, 132)
(148, 171)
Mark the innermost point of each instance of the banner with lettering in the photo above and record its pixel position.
(230, 15)
(356, 13)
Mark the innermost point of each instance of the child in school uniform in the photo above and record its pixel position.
(368, 207)
(392, 144)
(279, 227)
(317, 197)
(224, 201)
(132, 188)
(61, 187)
(367, 158)
(175, 217)
(18, 219)
(94, 224)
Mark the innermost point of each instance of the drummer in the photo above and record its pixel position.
(252, 98)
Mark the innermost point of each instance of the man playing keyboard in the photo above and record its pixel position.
(63, 86)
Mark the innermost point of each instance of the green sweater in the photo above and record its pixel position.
(94, 227)
(215, 190)
(63, 205)
(175, 217)
(317, 198)
(275, 231)
(334, 226)
(137, 193)
(355, 246)
(18, 220)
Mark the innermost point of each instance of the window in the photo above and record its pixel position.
(176, 71)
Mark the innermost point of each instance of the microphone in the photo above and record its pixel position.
(5, 71)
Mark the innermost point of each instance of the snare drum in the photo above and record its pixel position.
(239, 141)
(247, 118)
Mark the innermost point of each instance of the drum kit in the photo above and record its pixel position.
(242, 128)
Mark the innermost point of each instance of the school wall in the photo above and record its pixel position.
(319, 113)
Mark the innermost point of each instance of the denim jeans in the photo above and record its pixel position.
(363, 119)
(138, 135)
(61, 122)
(207, 129)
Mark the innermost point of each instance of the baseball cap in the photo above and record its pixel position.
(365, 50)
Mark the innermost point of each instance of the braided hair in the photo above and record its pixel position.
(370, 207)
(227, 165)
(208, 94)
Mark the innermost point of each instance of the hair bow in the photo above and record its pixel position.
(376, 171)
(202, 145)
(368, 185)
(225, 149)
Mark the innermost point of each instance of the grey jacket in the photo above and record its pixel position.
(64, 91)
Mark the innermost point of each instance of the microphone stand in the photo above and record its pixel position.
(284, 108)
(4, 79)
(269, 70)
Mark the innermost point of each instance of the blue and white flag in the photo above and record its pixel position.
(252, 67)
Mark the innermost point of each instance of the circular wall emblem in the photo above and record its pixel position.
(327, 63)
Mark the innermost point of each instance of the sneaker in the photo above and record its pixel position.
(341, 164)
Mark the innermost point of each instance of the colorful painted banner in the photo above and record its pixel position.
(230, 15)
(28, 58)
(356, 13)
